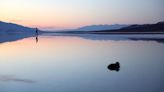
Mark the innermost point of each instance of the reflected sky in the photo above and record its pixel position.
(71, 64)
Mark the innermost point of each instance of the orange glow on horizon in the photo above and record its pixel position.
(63, 14)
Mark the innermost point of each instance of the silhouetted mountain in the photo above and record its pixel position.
(146, 28)
(14, 28)
(159, 27)
(101, 27)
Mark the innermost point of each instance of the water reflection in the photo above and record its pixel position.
(19, 36)
(10, 37)
(10, 78)
(36, 38)
(159, 40)
(141, 37)
(114, 67)
(60, 63)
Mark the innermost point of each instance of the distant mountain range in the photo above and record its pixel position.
(146, 28)
(12, 32)
(14, 28)
(98, 29)
(101, 27)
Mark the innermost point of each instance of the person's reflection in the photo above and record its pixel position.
(36, 39)
(114, 67)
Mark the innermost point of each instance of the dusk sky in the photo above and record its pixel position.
(64, 14)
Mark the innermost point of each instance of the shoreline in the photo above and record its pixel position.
(104, 33)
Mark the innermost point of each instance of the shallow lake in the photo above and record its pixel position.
(68, 63)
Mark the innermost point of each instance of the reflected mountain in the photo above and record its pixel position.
(9, 37)
(114, 67)
(14, 37)
(119, 37)
(153, 37)
(159, 40)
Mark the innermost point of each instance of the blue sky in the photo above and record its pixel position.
(60, 14)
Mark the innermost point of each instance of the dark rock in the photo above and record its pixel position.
(114, 67)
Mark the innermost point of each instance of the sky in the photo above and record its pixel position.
(68, 14)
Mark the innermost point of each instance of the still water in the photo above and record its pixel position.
(80, 64)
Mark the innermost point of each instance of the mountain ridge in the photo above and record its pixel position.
(145, 28)
(16, 28)
(101, 27)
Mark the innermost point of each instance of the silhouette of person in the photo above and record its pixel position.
(36, 31)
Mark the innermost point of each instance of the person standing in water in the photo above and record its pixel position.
(36, 31)
(36, 34)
